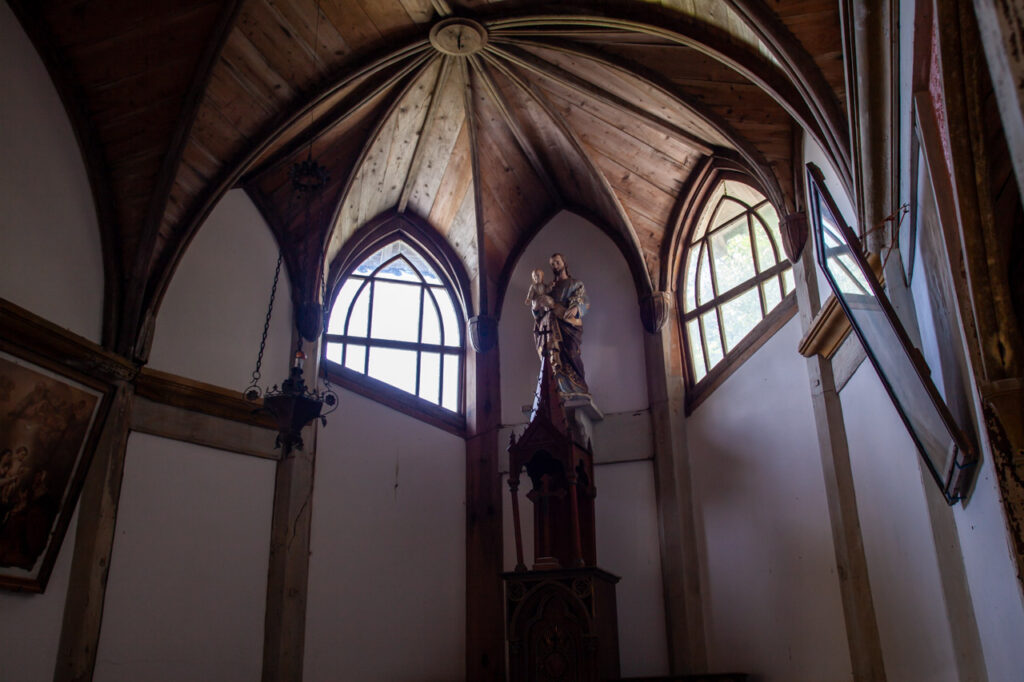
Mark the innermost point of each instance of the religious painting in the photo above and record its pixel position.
(49, 421)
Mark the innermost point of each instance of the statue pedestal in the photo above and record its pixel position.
(562, 625)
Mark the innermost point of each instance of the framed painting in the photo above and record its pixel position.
(50, 418)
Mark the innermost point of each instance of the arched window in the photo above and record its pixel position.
(736, 275)
(394, 320)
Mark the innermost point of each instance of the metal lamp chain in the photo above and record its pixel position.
(266, 327)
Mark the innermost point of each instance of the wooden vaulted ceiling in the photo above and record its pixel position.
(480, 118)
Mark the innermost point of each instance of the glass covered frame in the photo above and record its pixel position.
(948, 454)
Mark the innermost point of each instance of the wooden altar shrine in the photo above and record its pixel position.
(561, 618)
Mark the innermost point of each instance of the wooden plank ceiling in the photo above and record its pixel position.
(482, 119)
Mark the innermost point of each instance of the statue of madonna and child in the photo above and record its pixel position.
(558, 308)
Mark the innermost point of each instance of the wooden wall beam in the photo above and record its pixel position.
(680, 564)
(94, 542)
(485, 619)
(862, 633)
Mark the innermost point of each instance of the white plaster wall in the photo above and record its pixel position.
(772, 604)
(628, 546)
(209, 324)
(187, 587)
(898, 541)
(30, 624)
(387, 572)
(51, 261)
(992, 577)
(613, 352)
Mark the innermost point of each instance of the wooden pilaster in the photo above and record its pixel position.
(680, 569)
(485, 632)
(284, 633)
(854, 586)
(94, 541)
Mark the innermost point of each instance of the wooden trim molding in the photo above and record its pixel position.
(170, 389)
(27, 330)
(395, 398)
(828, 330)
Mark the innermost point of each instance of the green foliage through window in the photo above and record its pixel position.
(736, 273)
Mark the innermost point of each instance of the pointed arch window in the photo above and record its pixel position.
(737, 282)
(395, 321)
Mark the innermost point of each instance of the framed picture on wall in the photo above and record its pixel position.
(50, 417)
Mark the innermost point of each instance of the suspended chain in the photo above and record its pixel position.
(254, 380)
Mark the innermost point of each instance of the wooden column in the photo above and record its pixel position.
(284, 633)
(284, 630)
(94, 541)
(680, 568)
(854, 586)
(485, 624)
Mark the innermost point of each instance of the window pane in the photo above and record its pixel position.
(771, 220)
(421, 264)
(714, 342)
(400, 269)
(727, 210)
(342, 302)
(431, 316)
(355, 358)
(450, 397)
(765, 253)
(370, 264)
(734, 260)
(395, 367)
(772, 294)
(690, 283)
(696, 352)
(740, 315)
(334, 352)
(396, 311)
(847, 276)
(358, 318)
(705, 292)
(787, 280)
(449, 321)
(430, 377)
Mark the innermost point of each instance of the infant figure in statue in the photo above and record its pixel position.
(537, 297)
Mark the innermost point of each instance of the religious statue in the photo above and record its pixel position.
(558, 309)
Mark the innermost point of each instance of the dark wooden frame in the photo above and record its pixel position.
(955, 476)
(375, 235)
(76, 361)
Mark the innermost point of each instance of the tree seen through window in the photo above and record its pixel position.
(736, 273)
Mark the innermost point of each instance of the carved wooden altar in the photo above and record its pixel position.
(561, 616)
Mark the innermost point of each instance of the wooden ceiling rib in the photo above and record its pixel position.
(605, 109)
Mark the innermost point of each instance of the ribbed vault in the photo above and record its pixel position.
(479, 119)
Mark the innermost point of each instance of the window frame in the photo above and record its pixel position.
(697, 390)
(367, 241)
